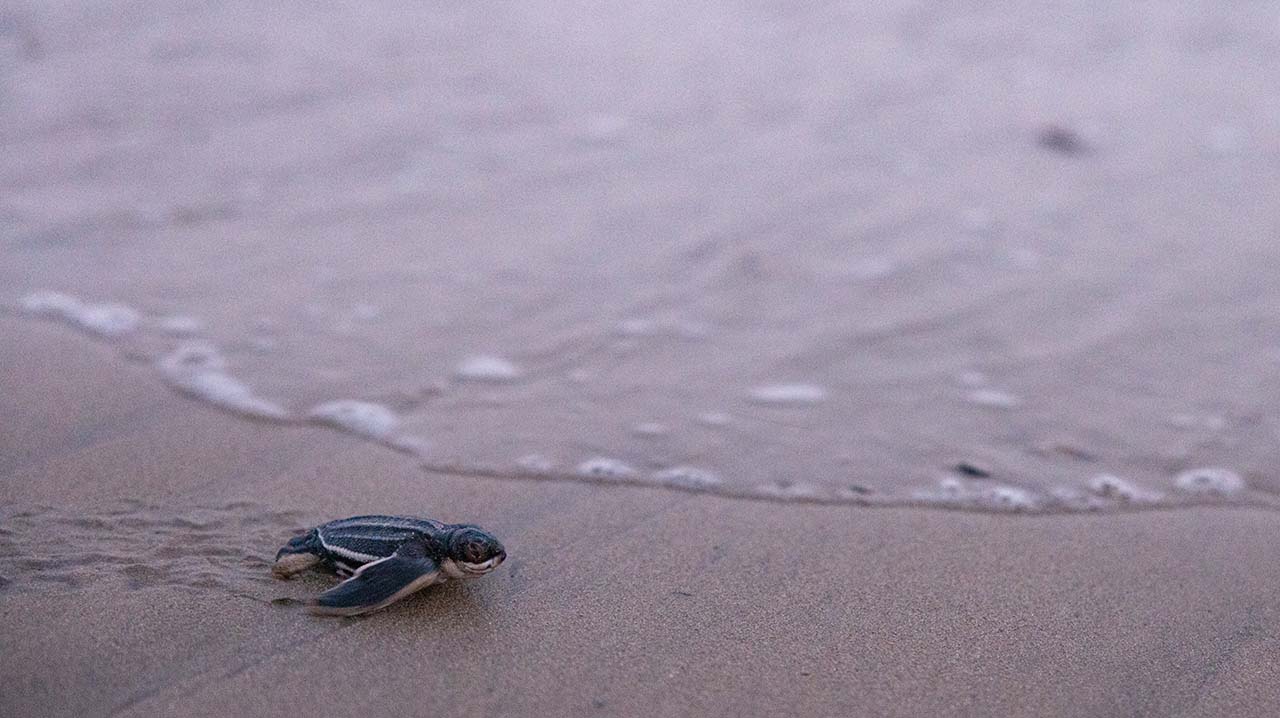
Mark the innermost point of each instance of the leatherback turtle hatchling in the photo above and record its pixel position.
(385, 558)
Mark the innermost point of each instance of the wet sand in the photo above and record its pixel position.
(138, 526)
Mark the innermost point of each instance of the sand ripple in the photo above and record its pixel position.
(227, 547)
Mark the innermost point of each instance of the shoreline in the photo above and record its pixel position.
(987, 496)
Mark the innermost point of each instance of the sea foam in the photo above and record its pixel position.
(650, 429)
(954, 492)
(603, 467)
(362, 418)
(104, 320)
(1210, 482)
(1114, 487)
(488, 368)
(686, 477)
(788, 394)
(994, 398)
(199, 370)
(714, 419)
(536, 464)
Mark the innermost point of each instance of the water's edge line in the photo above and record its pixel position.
(1256, 501)
(970, 504)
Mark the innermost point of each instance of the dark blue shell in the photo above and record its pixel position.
(350, 543)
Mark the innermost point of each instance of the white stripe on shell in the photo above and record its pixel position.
(347, 553)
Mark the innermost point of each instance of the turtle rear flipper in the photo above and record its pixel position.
(379, 583)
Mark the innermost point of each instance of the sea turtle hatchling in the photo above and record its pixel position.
(385, 558)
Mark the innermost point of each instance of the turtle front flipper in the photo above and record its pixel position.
(379, 583)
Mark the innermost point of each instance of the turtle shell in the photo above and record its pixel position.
(352, 542)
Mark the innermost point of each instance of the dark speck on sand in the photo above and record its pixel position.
(1062, 140)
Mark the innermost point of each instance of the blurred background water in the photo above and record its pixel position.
(815, 247)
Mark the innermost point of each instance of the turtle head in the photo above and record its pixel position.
(474, 551)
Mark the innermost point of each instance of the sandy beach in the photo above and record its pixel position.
(139, 526)
(808, 359)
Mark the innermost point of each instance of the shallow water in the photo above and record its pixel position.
(990, 258)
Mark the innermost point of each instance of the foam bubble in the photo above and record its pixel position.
(198, 369)
(952, 491)
(487, 368)
(1210, 481)
(950, 486)
(536, 464)
(949, 490)
(994, 398)
(606, 468)
(788, 394)
(48, 303)
(1114, 487)
(1009, 498)
(687, 477)
(715, 418)
(1075, 499)
(789, 490)
(192, 357)
(109, 320)
(230, 393)
(105, 320)
(650, 429)
(363, 418)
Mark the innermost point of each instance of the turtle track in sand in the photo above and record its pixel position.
(139, 545)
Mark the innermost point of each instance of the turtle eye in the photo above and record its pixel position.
(475, 546)
(475, 551)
